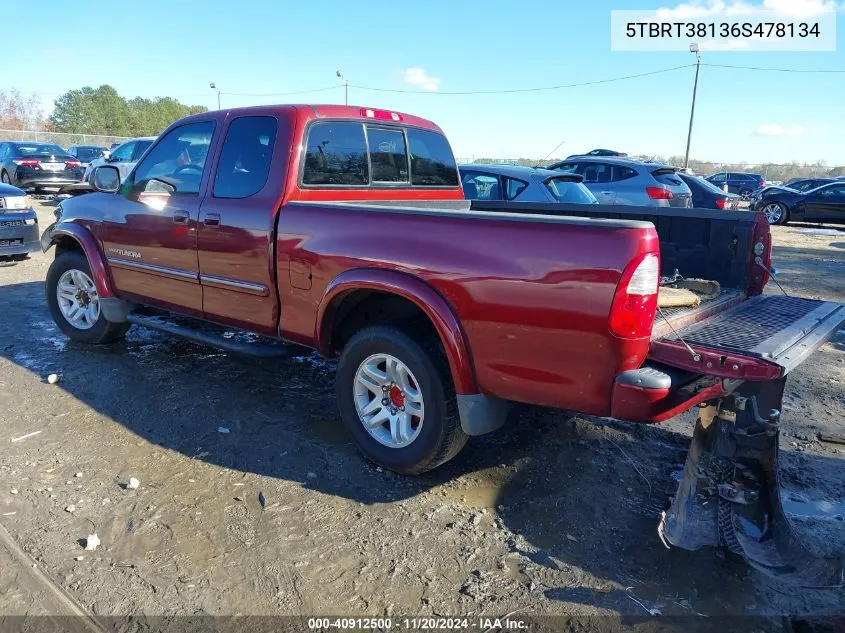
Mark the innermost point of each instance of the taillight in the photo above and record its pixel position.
(73, 163)
(721, 203)
(26, 163)
(659, 193)
(761, 249)
(635, 301)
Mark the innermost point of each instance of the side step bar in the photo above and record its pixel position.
(205, 334)
(730, 492)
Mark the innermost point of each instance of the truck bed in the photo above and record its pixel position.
(673, 319)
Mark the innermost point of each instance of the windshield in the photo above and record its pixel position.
(40, 149)
(566, 190)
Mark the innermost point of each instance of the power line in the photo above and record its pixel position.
(281, 94)
(779, 70)
(513, 90)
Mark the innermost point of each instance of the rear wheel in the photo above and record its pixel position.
(397, 400)
(745, 194)
(5, 178)
(74, 302)
(775, 213)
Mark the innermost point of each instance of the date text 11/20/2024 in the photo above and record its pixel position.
(479, 623)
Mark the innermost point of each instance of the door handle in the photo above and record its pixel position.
(211, 219)
(181, 217)
(606, 193)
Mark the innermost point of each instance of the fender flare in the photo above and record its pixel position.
(426, 298)
(89, 245)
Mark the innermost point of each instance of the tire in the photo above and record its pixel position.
(438, 436)
(776, 213)
(745, 194)
(100, 331)
(5, 178)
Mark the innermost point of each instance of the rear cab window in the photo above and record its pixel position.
(357, 154)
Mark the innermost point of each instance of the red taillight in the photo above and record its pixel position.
(26, 163)
(73, 163)
(721, 203)
(761, 248)
(659, 193)
(635, 302)
(381, 115)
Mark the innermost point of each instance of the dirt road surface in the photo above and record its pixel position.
(554, 514)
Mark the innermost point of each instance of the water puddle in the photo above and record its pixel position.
(798, 505)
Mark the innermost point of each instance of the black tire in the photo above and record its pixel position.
(5, 178)
(102, 331)
(745, 194)
(441, 436)
(784, 213)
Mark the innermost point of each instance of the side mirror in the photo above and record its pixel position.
(106, 179)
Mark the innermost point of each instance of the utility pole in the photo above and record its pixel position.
(345, 86)
(693, 49)
(213, 87)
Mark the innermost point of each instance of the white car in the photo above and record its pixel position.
(124, 157)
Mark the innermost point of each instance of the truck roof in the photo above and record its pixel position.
(310, 111)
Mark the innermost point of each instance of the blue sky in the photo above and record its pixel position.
(176, 48)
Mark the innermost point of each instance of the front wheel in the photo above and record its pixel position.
(397, 400)
(74, 303)
(775, 213)
(5, 178)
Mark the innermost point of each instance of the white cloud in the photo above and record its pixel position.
(420, 77)
(776, 129)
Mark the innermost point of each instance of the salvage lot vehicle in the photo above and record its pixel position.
(124, 156)
(18, 224)
(523, 184)
(741, 183)
(706, 195)
(87, 153)
(615, 180)
(822, 204)
(37, 166)
(359, 245)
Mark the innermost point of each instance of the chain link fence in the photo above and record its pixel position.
(60, 138)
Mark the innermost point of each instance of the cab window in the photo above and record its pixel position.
(177, 162)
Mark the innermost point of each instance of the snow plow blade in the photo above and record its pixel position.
(729, 495)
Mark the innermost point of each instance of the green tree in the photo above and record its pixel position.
(104, 111)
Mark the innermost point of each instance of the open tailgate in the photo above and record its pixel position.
(762, 338)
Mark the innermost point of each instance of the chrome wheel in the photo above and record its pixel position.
(388, 400)
(745, 194)
(773, 212)
(78, 300)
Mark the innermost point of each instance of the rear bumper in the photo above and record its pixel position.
(17, 237)
(41, 180)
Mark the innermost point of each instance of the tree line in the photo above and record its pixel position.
(93, 111)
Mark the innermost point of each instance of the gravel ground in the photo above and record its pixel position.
(552, 515)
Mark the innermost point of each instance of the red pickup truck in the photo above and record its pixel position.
(345, 229)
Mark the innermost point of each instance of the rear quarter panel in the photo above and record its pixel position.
(532, 294)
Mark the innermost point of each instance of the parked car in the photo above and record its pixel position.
(615, 180)
(822, 204)
(523, 184)
(706, 195)
(741, 183)
(37, 166)
(86, 153)
(124, 156)
(18, 224)
(805, 184)
(345, 229)
(599, 152)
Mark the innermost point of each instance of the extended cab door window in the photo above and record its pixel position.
(245, 160)
(177, 162)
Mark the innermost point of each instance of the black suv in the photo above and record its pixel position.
(739, 182)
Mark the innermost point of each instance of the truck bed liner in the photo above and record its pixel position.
(682, 317)
(775, 328)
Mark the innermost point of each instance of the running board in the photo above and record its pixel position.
(729, 495)
(212, 335)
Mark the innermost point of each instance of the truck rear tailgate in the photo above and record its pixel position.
(775, 333)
